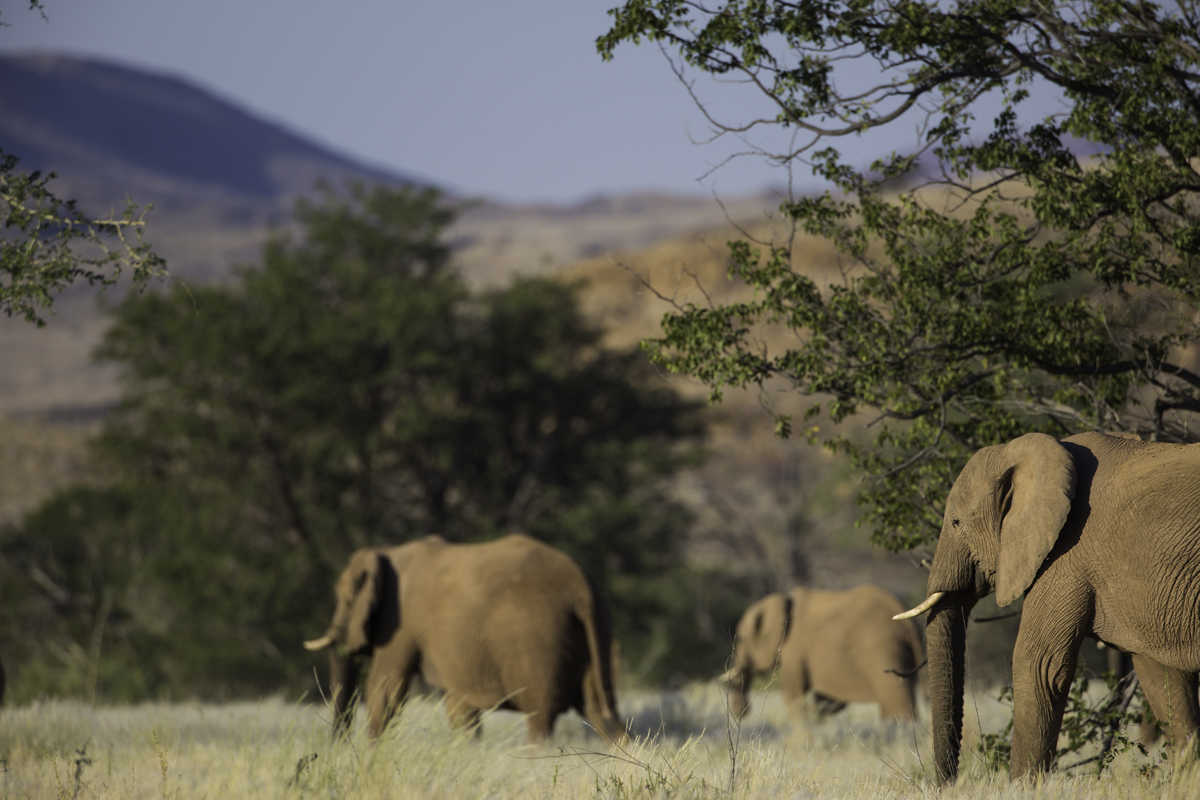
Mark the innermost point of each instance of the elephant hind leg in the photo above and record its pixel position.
(898, 700)
(599, 709)
(826, 706)
(541, 725)
(1172, 697)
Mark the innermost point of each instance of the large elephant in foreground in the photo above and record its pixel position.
(843, 646)
(511, 624)
(1102, 536)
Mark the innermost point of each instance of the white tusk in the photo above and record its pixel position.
(733, 672)
(921, 609)
(318, 644)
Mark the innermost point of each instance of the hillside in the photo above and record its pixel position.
(110, 130)
(220, 178)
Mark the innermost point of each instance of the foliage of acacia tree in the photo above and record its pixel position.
(47, 243)
(1057, 291)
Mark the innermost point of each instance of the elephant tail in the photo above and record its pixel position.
(599, 698)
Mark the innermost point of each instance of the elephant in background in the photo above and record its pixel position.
(511, 624)
(843, 646)
(1102, 536)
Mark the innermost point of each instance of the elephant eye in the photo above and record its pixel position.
(954, 523)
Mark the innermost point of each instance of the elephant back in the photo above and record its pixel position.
(851, 640)
(513, 618)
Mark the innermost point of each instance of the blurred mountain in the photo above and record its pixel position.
(110, 130)
(220, 179)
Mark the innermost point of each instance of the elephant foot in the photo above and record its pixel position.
(464, 717)
(825, 706)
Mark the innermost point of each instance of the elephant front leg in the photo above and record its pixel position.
(1043, 668)
(796, 683)
(1172, 697)
(463, 716)
(388, 682)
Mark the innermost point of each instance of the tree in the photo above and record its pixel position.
(314, 387)
(1022, 284)
(349, 391)
(145, 590)
(49, 244)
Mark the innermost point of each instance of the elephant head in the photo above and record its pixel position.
(760, 636)
(1003, 517)
(360, 592)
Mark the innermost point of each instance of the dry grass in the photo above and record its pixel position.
(682, 748)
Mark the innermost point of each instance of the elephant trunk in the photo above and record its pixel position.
(343, 683)
(946, 641)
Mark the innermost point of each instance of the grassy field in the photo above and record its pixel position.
(682, 748)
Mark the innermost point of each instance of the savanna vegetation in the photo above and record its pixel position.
(1025, 260)
(1014, 270)
(348, 390)
(1038, 269)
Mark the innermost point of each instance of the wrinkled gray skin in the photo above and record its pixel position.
(1102, 536)
(839, 645)
(511, 624)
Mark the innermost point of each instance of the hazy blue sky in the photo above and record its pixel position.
(504, 99)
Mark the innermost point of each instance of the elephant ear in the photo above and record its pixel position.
(1042, 485)
(367, 595)
(759, 632)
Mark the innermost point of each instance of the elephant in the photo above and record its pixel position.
(512, 624)
(841, 645)
(1101, 535)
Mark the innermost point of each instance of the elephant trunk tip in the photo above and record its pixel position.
(318, 644)
(929, 603)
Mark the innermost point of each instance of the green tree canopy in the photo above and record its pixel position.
(347, 391)
(1043, 276)
(353, 392)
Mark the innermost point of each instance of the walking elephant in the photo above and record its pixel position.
(843, 646)
(511, 624)
(1102, 536)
